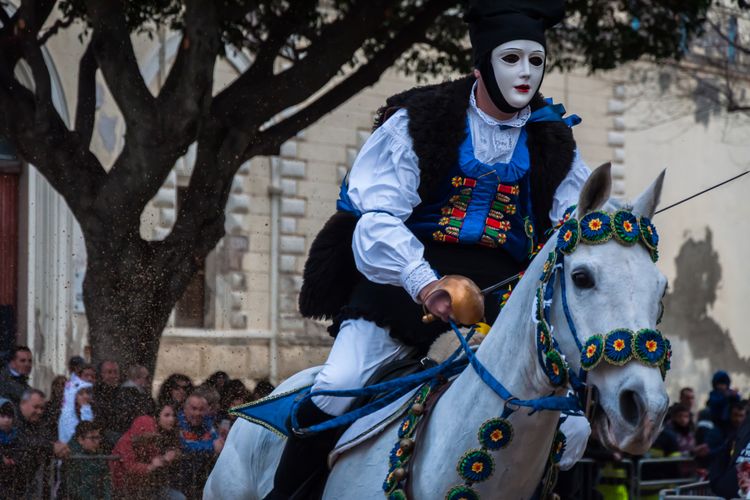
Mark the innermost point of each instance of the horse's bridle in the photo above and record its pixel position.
(617, 347)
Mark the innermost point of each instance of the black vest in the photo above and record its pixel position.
(333, 288)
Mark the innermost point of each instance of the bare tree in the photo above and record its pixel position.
(131, 285)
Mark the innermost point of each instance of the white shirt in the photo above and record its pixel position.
(383, 185)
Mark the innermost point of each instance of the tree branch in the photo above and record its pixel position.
(267, 94)
(725, 37)
(43, 140)
(59, 24)
(269, 141)
(116, 59)
(86, 105)
(187, 90)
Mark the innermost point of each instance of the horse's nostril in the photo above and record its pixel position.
(631, 407)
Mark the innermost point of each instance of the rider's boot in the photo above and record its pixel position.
(302, 456)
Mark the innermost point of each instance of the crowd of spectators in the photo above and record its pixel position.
(100, 434)
(712, 444)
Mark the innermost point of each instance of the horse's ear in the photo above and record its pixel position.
(596, 190)
(647, 202)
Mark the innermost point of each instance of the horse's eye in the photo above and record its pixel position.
(582, 279)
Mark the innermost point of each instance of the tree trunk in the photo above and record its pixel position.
(129, 293)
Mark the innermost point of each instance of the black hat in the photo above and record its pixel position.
(494, 22)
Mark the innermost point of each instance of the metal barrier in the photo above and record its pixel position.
(635, 472)
(660, 483)
(693, 491)
(57, 480)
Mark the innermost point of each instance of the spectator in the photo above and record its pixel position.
(720, 399)
(262, 389)
(175, 389)
(143, 471)
(105, 401)
(37, 445)
(133, 398)
(681, 426)
(723, 435)
(75, 365)
(235, 394)
(14, 377)
(200, 445)
(217, 380)
(212, 397)
(53, 407)
(88, 373)
(86, 478)
(687, 400)
(75, 411)
(11, 484)
(730, 469)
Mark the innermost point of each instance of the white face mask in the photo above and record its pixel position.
(519, 67)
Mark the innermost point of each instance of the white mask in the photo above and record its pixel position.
(519, 67)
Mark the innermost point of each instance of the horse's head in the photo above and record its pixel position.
(613, 286)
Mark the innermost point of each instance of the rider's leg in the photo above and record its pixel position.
(359, 349)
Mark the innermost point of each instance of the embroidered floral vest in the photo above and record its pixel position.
(481, 204)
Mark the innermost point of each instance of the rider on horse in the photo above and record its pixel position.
(462, 178)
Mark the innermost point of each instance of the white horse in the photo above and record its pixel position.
(608, 286)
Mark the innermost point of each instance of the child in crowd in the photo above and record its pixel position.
(10, 486)
(87, 478)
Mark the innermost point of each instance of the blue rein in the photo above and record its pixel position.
(392, 390)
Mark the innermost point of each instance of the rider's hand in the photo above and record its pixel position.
(436, 301)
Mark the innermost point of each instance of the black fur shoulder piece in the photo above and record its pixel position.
(436, 124)
(330, 272)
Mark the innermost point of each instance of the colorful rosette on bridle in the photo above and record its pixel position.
(649, 346)
(476, 466)
(567, 237)
(543, 337)
(398, 456)
(626, 227)
(495, 433)
(556, 368)
(549, 267)
(650, 237)
(461, 492)
(558, 447)
(667, 364)
(596, 227)
(540, 304)
(592, 352)
(618, 347)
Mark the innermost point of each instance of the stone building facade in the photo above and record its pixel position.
(240, 313)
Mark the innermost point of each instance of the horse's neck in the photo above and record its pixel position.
(509, 353)
(509, 350)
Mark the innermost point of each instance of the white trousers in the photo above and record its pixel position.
(360, 348)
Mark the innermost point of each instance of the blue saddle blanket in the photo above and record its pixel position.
(272, 412)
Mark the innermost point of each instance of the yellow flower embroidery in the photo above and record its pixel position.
(651, 345)
(619, 345)
(595, 224)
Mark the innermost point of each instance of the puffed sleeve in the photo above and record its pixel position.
(383, 185)
(569, 190)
